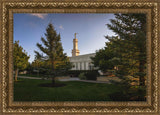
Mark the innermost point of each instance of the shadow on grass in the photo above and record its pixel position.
(19, 81)
(52, 85)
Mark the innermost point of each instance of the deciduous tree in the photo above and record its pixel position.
(20, 58)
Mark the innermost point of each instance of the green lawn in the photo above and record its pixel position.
(28, 90)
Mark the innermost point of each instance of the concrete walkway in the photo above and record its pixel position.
(90, 81)
(70, 79)
(77, 79)
(29, 77)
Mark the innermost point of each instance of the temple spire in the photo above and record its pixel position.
(75, 51)
(75, 35)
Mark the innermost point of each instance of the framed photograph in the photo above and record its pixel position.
(79, 57)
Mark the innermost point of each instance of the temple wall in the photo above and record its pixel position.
(82, 62)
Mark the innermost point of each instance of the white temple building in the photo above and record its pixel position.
(80, 62)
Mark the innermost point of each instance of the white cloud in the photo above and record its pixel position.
(39, 15)
(61, 27)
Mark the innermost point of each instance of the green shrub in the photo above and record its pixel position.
(119, 96)
(82, 76)
(129, 94)
(92, 75)
(75, 73)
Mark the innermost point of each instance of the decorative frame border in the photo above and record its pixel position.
(9, 7)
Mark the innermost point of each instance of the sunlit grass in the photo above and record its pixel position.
(29, 90)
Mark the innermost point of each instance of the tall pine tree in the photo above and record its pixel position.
(131, 29)
(53, 51)
(128, 49)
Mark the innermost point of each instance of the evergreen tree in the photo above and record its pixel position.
(20, 59)
(105, 58)
(53, 51)
(128, 49)
(131, 29)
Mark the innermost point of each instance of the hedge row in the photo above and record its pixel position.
(75, 73)
(89, 74)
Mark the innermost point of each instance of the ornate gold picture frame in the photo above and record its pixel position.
(9, 7)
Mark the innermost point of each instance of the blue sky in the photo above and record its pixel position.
(91, 29)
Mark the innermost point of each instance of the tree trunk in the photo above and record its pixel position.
(52, 71)
(142, 62)
(16, 74)
(142, 80)
(53, 80)
(141, 71)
